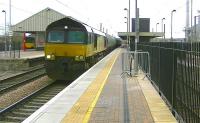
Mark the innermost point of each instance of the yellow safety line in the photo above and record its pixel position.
(89, 112)
(158, 108)
(81, 111)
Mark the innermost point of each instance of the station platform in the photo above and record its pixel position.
(27, 54)
(10, 66)
(102, 95)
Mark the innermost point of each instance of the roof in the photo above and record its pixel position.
(38, 21)
(142, 34)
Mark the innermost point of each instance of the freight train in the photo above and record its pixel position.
(72, 47)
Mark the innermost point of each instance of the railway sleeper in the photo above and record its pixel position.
(50, 95)
(39, 100)
(43, 98)
(14, 118)
(31, 106)
(56, 89)
(36, 103)
(26, 110)
(23, 114)
(53, 92)
(47, 96)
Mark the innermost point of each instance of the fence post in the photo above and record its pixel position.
(14, 49)
(174, 83)
(19, 48)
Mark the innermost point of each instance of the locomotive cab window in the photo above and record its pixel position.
(30, 39)
(56, 36)
(76, 37)
(95, 41)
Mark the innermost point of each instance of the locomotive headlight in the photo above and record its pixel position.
(79, 58)
(76, 58)
(50, 57)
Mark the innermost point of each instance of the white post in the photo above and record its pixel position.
(10, 27)
(157, 26)
(5, 33)
(162, 26)
(129, 23)
(136, 39)
(172, 22)
(187, 21)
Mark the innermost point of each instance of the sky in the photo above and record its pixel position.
(109, 12)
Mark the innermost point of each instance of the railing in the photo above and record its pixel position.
(175, 70)
(10, 50)
(143, 61)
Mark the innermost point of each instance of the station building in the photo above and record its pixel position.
(36, 25)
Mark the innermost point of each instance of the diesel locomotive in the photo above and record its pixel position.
(72, 47)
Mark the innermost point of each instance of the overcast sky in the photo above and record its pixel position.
(108, 12)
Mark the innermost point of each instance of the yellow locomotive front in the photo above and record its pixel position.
(66, 49)
(72, 47)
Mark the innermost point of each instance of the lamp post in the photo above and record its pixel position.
(195, 30)
(162, 30)
(172, 22)
(195, 27)
(137, 37)
(172, 58)
(127, 30)
(191, 7)
(157, 26)
(162, 24)
(128, 40)
(9, 31)
(10, 14)
(5, 31)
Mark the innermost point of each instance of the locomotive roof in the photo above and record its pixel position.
(72, 22)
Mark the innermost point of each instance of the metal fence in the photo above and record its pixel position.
(175, 69)
(10, 50)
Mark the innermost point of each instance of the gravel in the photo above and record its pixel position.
(22, 91)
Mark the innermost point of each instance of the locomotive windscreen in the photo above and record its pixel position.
(56, 36)
(66, 37)
(76, 37)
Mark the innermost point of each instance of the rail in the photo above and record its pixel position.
(29, 104)
(15, 81)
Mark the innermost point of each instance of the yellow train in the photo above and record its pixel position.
(29, 41)
(72, 47)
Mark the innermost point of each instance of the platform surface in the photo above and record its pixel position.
(102, 95)
(27, 54)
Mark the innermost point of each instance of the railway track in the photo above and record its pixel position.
(28, 105)
(15, 81)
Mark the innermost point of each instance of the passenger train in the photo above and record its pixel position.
(29, 41)
(72, 47)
